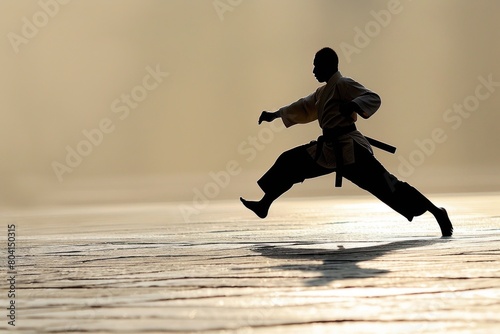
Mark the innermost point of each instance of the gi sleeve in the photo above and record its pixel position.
(300, 112)
(367, 101)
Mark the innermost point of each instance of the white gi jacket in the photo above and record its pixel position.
(323, 105)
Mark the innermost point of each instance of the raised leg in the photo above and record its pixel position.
(291, 167)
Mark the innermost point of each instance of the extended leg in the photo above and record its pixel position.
(293, 166)
(369, 174)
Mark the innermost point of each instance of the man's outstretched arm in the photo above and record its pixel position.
(300, 112)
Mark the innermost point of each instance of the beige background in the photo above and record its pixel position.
(224, 68)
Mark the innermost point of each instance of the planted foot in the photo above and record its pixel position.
(257, 207)
(444, 222)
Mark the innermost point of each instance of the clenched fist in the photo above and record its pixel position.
(267, 116)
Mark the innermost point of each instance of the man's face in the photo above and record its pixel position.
(321, 71)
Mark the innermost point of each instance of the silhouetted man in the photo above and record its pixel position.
(341, 148)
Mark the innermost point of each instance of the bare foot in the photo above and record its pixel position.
(257, 207)
(444, 223)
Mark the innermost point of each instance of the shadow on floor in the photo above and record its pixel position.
(336, 264)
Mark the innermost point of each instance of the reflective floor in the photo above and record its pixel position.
(316, 265)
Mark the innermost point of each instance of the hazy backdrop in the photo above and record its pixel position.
(158, 100)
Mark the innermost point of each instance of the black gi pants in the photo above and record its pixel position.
(296, 165)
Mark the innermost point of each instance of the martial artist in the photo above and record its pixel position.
(341, 148)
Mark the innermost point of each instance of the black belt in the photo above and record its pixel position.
(332, 135)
